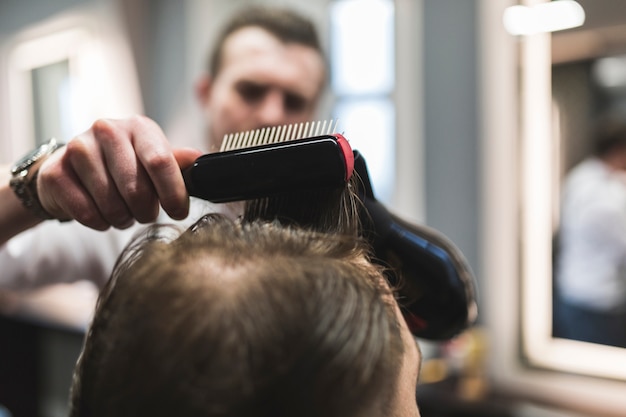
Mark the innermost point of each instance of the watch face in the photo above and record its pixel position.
(34, 155)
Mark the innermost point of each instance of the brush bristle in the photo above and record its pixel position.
(326, 210)
(277, 134)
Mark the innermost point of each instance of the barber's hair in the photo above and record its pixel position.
(609, 134)
(285, 24)
(241, 319)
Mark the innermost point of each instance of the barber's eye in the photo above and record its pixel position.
(251, 92)
(294, 103)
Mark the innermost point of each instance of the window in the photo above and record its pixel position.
(363, 82)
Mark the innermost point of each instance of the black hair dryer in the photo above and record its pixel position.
(435, 285)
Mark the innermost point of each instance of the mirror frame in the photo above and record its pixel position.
(89, 42)
(25, 57)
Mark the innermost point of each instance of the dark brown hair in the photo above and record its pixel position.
(241, 319)
(609, 134)
(285, 24)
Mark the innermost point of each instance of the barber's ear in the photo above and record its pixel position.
(203, 89)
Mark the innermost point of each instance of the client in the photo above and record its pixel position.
(246, 318)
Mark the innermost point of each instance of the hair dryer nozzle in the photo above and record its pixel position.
(434, 281)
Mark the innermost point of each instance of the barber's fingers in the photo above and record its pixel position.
(87, 161)
(142, 165)
(62, 194)
(156, 156)
(115, 142)
(116, 172)
(186, 156)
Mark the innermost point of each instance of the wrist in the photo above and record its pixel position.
(14, 218)
(24, 177)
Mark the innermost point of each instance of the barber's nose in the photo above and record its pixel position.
(271, 111)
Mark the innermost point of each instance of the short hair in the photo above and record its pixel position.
(609, 134)
(285, 24)
(241, 319)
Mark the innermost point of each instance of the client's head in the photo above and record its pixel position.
(256, 319)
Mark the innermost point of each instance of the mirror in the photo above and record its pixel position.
(584, 73)
(589, 302)
(50, 89)
(42, 77)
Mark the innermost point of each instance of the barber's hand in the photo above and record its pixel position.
(116, 173)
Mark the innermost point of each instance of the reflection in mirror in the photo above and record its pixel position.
(50, 85)
(590, 251)
(43, 72)
(62, 79)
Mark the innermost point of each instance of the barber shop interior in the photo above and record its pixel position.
(169, 172)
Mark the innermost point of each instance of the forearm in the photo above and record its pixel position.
(14, 217)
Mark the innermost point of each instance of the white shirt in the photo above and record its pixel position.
(591, 267)
(54, 252)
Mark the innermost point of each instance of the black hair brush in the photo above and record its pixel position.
(294, 173)
(298, 174)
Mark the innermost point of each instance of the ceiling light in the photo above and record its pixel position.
(545, 17)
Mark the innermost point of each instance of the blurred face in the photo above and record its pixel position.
(262, 82)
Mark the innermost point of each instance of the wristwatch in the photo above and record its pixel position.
(24, 176)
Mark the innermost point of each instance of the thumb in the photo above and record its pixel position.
(186, 156)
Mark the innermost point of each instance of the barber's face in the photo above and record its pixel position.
(262, 82)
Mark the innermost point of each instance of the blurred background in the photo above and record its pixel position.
(469, 121)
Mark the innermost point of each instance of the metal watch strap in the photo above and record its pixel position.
(27, 193)
(24, 178)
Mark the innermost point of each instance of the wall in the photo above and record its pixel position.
(451, 114)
